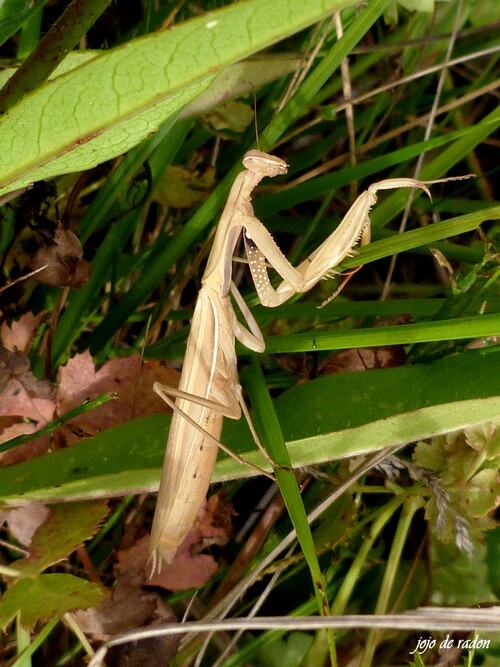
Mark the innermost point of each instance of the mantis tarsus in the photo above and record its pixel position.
(209, 389)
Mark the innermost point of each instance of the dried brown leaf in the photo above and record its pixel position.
(362, 359)
(20, 333)
(24, 521)
(15, 365)
(129, 379)
(63, 256)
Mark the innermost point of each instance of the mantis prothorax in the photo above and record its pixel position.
(209, 389)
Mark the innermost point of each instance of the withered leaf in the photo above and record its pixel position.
(15, 365)
(64, 260)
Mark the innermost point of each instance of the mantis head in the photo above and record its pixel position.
(264, 164)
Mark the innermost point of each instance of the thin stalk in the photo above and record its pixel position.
(340, 603)
(410, 506)
(73, 23)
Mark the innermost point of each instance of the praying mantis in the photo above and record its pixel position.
(209, 389)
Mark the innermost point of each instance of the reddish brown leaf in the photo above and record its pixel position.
(131, 607)
(190, 567)
(24, 521)
(363, 358)
(15, 365)
(19, 334)
(130, 380)
(16, 405)
(186, 571)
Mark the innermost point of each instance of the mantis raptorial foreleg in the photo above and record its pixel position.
(209, 389)
(355, 227)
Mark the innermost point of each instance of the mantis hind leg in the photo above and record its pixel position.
(165, 393)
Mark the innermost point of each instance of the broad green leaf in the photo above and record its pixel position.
(231, 82)
(66, 529)
(45, 596)
(450, 566)
(391, 431)
(109, 104)
(73, 60)
(341, 415)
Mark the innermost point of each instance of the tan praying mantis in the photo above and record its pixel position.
(209, 389)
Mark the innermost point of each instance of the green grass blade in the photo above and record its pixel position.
(465, 328)
(269, 430)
